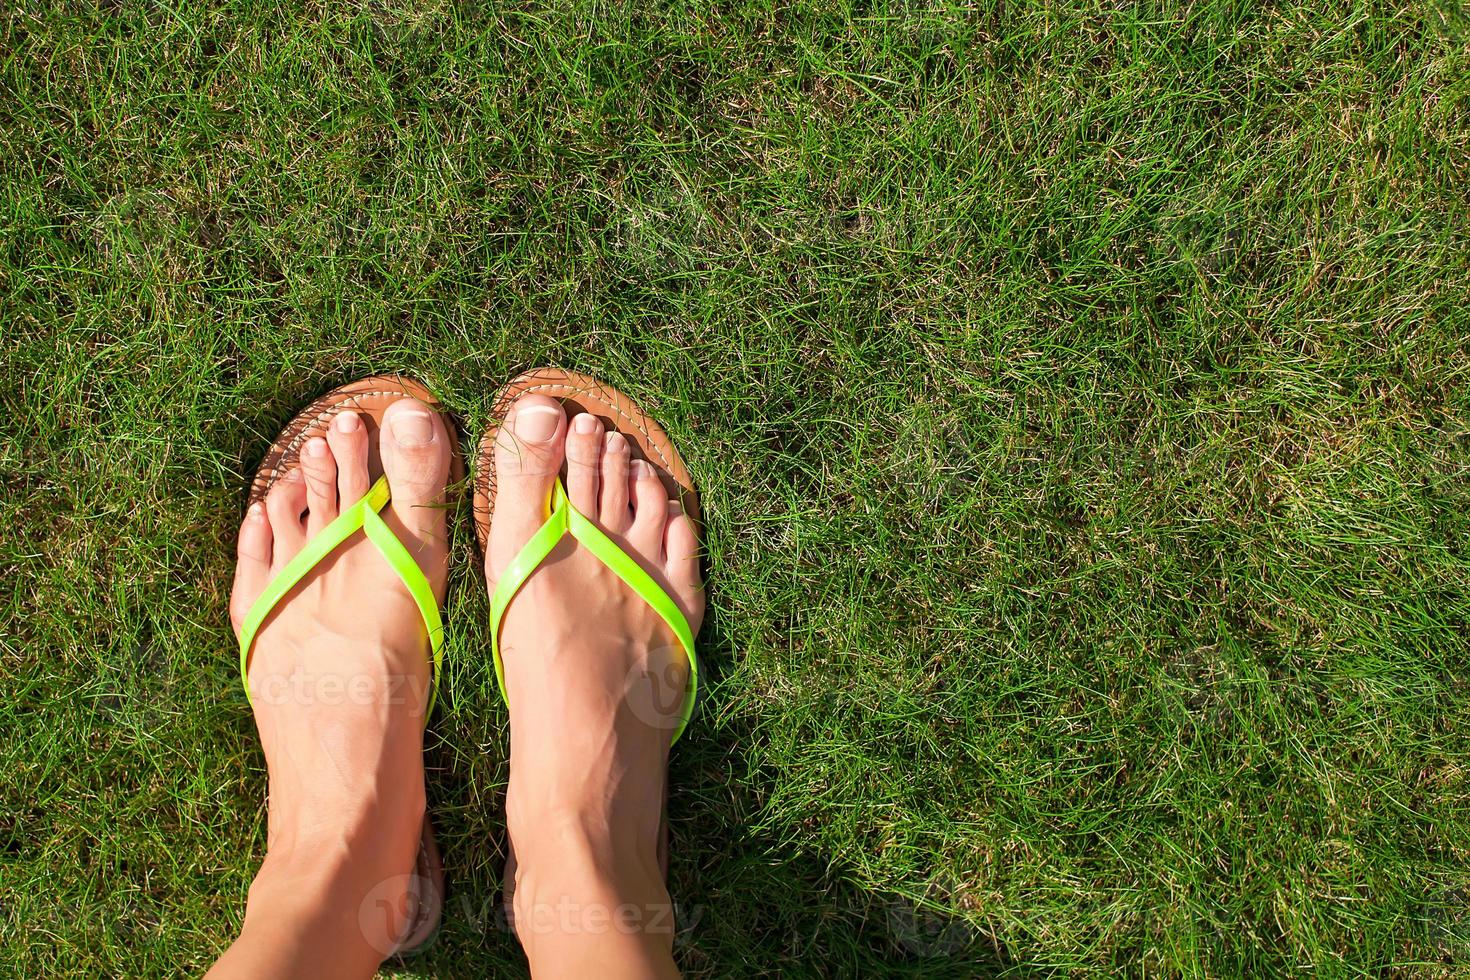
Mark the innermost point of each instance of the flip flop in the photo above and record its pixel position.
(579, 393)
(647, 440)
(370, 398)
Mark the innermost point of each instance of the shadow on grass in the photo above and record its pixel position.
(745, 908)
(756, 903)
(749, 902)
(764, 912)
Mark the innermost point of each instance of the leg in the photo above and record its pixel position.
(595, 683)
(339, 679)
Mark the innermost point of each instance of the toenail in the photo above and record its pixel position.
(316, 447)
(585, 423)
(642, 470)
(256, 511)
(536, 423)
(292, 475)
(615, 443)
(348, 422)
(413, 428)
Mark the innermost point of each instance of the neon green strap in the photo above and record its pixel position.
(363, 516)
(562, 518)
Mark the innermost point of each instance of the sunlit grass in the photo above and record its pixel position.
(1079, 396)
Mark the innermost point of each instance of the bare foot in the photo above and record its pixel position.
(595, 682)
(339, 679)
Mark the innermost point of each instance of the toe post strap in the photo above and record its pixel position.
(563, 519)
(361, 516)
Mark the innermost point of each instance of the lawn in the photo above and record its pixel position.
(1079, 394)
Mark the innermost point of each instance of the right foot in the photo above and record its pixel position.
(339, 675)
(594, 678)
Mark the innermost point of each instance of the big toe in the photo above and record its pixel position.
(415, 449)
(528, 455)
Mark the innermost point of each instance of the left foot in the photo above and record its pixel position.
(595, 682)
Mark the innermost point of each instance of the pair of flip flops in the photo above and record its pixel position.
(370, 398)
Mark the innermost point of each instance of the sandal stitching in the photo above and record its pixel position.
(303, 423)
(572, 390)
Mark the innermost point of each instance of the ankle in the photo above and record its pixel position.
(366, 852)
(581, 880)
(559, 831)
(314, 864)
(320, 898)
(337, 898)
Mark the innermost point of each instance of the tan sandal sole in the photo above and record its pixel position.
(580, 393)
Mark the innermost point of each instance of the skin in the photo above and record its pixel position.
(339, 678)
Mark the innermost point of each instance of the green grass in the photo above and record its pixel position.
(1079, 394)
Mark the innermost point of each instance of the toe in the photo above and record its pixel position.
(284, 505)
(613, 511)
(529, 446)
(584, 461)
(252, 563)
(681, 563)
(528, 455)
(415, 450)
(650, 510)
(321, 484)
(348, 440)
